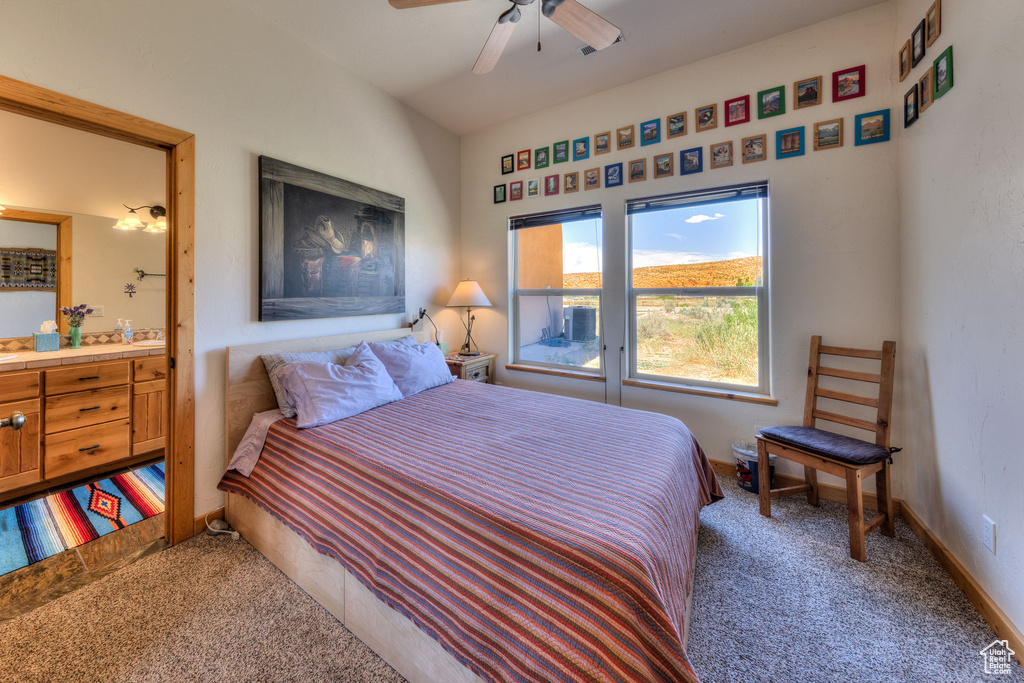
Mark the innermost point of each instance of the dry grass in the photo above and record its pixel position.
(710, 274)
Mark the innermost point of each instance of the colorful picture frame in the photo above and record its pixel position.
(613, 175)
(664, 165)
(551, 184)
(828, 134)
(675, 125)
(603, 143)
(637, 170)
(592, 179)
(943, 78)
(904, 59)
(650, 132)
(807, 93)
(933, 23)
(515, 191)
(871, 127)
(541, 158)
(737, 110)
(691, 161)
(910, 107)
(571, 182)
(523, 160)
(848, 84)
(771, 102)
(917, 44)
(560, 152)
(789, 143)
(499, 193)
(580, 149)
(624, 137)
(721, 154)
(706, 117)
(926, 89)
(508, 164)
(533, 187)
(754, 148)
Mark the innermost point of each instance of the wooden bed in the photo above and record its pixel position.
(410, 651)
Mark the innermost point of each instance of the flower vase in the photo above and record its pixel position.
(76, 337)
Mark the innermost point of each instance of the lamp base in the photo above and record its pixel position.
(469, 353)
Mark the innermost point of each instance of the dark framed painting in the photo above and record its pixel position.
(613, 175)
(541, 158)
(943, 79)
(737, 110)
(650, 132)
(789, 143)
(771, 102)
(508, 164)
(872, 127)
(500, 193)
(560, 151)
(848, 84)
(328, 247)
(691, 161)
(917, 44)
(910, 107)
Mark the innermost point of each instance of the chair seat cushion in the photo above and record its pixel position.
(828, 444)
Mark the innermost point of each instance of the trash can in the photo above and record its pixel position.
(746, 466)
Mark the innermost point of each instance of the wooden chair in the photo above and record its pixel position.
(843, 456)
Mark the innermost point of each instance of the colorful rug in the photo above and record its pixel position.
(47, 526)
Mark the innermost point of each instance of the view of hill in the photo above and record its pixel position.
(710, 274)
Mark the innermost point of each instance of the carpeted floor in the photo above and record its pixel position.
(777, 600)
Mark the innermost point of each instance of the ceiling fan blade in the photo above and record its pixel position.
(589, 27)
(496, 42)
(407, 4)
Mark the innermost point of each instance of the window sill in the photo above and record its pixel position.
(759, 399)
(572, 374)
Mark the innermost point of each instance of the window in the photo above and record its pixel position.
(556, 289)
(697, 294)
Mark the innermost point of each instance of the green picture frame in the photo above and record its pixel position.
(771, 102)
(943, 79)
(560, 152)
(542, 157)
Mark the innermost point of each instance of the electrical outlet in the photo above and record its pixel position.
(97, 311)
(989, 534)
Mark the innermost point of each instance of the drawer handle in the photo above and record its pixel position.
(476, 373)
(82, 410)
(80, 379)
(90, 448)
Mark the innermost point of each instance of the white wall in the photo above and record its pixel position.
(244, 88)
(962, 231)
(834, 251)
(23, 311)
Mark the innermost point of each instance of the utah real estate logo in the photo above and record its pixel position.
(998, 657)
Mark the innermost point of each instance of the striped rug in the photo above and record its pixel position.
(42, 528)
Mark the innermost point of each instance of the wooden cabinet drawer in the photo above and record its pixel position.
(19, 449)
(84, 408)
(92, 376)
(477, 373)
(15, 386)
(149, 369)
(81, 449)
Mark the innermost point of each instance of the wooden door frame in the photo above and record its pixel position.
(64, 227)
(47, 105)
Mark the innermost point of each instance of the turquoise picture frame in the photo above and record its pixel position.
(650, 132)
(871, 127)
(580, 149)
(790, 143)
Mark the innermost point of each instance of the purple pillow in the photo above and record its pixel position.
(414, 368)
(325, 392)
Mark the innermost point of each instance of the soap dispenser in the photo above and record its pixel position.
(119, 328)
(127, 331)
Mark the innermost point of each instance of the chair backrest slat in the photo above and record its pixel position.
(850, 374)
(849, 398)
(845, 420)
(851, 353)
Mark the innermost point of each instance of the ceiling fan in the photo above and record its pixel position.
(569, 14)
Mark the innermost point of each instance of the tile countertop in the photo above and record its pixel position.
(87, 354)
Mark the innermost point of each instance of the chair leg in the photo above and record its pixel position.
(764, 479)
(884, 494)
(855, 501)
(811, 477)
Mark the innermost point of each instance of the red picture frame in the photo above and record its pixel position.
(523, 160)
(550, 185)
(515, 190)
(849, 83)
(737, 110)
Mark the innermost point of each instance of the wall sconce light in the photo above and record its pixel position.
(132, 221)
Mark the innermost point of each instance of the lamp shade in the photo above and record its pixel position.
(468, 295)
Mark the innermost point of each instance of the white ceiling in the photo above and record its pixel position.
(423, 56)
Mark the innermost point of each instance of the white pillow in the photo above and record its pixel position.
(414, 368)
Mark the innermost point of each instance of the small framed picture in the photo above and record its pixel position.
(706, 117)
(943, 79)
(637, 170)
(721, 155)
(691, 161)
(872, 127)
(789, 143)
(917, 44)
(828, 134)
(508, 164)
(515, 190)
(807, 93)
(580, 149)
(910, 104)
(737, 110)
(771, 102)
(550, 185)
(533, 187)
(904, 61)
(560, 151)
(650, 132)
(499, 193)
(675, 125)
(755, 148)
(523, 160)
(624, 137)
(613, 175)
(926, 89)
(540, 157)
(603, 143)
(592, 179)
(848, 84)
(664, 166)
(933, 23)
(571, 182)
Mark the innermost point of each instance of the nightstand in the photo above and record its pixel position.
(474, 368)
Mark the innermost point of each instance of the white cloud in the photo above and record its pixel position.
(700, 218)
(676, 235)
(580, 257)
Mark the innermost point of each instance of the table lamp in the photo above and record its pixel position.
(469, 295)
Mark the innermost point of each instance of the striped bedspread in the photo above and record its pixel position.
(536, 537)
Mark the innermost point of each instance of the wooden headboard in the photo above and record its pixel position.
(248, 389)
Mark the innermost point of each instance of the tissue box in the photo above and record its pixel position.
(46, 342)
